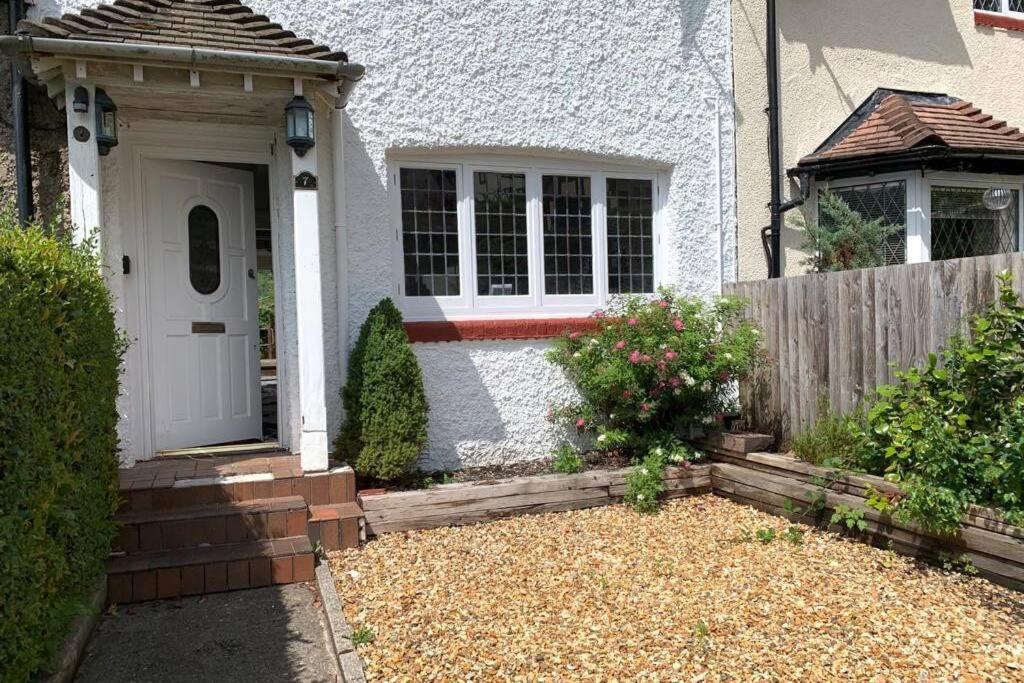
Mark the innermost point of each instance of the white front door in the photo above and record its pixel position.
(203, 328)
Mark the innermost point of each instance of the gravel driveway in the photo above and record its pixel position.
(689, 594)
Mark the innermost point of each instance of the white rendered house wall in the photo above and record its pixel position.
(646, 85)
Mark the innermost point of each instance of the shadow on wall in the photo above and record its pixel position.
(693, 14)
(923, 31)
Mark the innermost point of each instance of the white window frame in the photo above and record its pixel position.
(1004, 9)
(919, 198)
(470, 305)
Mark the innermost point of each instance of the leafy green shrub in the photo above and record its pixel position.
(951, 433)
(567, 460)
(832, 441)
(653, 367)
(843, 240)
(59, 359)
(650, 369)
(385, 405)
(645, 483)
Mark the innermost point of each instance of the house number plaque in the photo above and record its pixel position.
(305, 181)
(208, 328)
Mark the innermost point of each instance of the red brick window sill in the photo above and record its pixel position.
(489, 330)
(997, 20)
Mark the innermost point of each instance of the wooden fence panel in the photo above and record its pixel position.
(837, 336)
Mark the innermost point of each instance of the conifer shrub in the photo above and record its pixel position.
(385, 405)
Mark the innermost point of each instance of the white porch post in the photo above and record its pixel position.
(83, 162)
(309, 308)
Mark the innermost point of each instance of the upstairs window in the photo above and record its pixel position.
(1001, 6)
(506, 240)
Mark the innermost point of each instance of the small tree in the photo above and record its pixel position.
(385, 405)
(844, 240)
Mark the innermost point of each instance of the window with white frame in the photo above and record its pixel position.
(939, 215)
(1001, 6)
(512, 239)
(881, 200)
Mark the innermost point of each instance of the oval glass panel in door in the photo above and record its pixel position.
(203, 249)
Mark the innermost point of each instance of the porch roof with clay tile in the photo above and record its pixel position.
(911, 127)
(210, 24)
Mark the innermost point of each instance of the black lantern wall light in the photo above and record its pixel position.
(300, 125)
(106, 122)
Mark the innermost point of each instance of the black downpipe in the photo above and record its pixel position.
(773, 239)
(19, 118)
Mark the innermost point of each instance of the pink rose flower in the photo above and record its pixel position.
(678, 324)
(620, 345)
(723, 376)
(580, 424)
(627, 394)
(632, 321)
(598, 314)
(675, 381)
(574, 335)
(671, 355)
(663, 303)
(644, 407)
(662, 365)
(635, 357)
(645, 358)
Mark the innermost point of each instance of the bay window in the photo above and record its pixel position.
(516, 239)
(938, 215)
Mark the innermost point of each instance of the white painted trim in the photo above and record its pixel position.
(84, 176)
(309, 313)
(536, 304)
(191, 142)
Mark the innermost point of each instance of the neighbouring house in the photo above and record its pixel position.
(500, 169)
(906, 111)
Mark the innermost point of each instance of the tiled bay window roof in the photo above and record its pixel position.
(894, 122)
(204, 24)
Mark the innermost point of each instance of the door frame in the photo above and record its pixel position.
(180, 141)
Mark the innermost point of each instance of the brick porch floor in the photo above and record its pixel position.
(165, 472)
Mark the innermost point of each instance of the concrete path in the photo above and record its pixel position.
(266, 634)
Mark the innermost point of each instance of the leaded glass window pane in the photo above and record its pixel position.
(430, 232)
(500, 227)
(989, 5)
(881, 200)
(568, 242)
(203, 250)
(962, 226)
(630, 236)
(1017, 6)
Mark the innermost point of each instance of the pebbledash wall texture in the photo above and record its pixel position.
(648, 84)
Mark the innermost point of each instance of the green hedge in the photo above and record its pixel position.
(385, 405)
(59, 359)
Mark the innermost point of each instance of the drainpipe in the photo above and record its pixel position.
(772, 235)
(19, 118)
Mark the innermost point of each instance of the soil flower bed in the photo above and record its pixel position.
(694, 593)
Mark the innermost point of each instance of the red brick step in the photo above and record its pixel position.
(209, 569)
(337, 526)
(211, 524)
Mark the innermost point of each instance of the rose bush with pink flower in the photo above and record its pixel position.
(655, 368)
